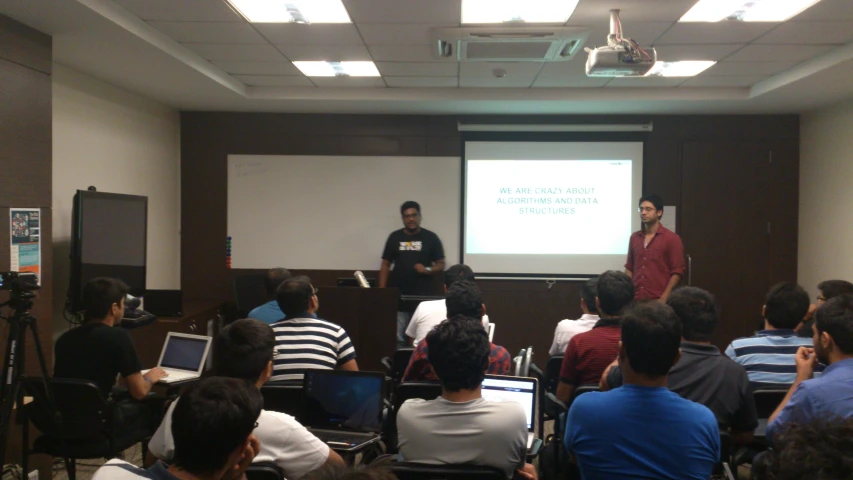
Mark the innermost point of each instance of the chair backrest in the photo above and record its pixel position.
(552, 373)
(767, 400)
(82, 412)
(249, 292)
(419, 471)
(584, 389)
(400, 361)
(525, 363)
(264, 471)
(285, 397)
(518, 363)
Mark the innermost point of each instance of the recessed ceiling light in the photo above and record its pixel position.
(527, 11)
(292, 11)
(337, 69)
(688, 68)
(746, 10)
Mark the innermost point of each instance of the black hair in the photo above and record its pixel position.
(99, 295)
(243, 349)
(834, 288)
(820, 449)
(410, 204)
(786, 305)
(456, 273)
(698, 311)
(835, 317)
(654, 200)
(274, 278)
(651, 335)
(211, 419)
(294, 296)
(615, 290)
(589, 291)
(458, 350)
(464, 298)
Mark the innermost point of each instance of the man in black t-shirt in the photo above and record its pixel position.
(417, 254)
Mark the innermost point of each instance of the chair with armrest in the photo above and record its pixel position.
(83, 426)
(405, 391)
(264, 471)
(285, 397)
(420, 471)
(396, 364)
(548, 380)
(766, 402)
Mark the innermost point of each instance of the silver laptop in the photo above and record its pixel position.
(522, 390)
(183, 356)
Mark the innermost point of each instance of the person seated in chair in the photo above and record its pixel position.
(567, 329)
(244, 350)
(461, 427)
(212, 427)
(270, 312)
(99, 351)
(827, 289)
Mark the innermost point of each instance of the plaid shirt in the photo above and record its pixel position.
(418, 369)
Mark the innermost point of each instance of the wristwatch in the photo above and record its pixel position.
(428, 269)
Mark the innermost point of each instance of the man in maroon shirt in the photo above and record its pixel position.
(588, 354)
(655, 254)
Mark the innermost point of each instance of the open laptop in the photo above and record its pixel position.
(183, 356)
(522, 390)
(342, 408)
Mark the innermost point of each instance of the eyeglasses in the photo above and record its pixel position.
(647, 209)
(821, 298)
(256, 424)
(316, 291)
(412, 215)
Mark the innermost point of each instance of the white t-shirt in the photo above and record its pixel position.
(567, 329)
(283, 441)
(429, 314)
(117, 469)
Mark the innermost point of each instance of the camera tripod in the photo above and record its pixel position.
(13, 374)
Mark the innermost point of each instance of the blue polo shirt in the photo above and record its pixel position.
(268, 313)
(831, 394)
(636, 432)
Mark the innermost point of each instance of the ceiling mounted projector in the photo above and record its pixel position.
(622, 57)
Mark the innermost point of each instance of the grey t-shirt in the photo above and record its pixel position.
(477, 432)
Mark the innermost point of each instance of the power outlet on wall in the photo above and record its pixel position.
(34, 475)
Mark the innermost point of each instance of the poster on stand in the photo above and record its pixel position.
(26, 240)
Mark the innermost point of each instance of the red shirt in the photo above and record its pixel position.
(653, 266)
(419, 369)
(588, 354)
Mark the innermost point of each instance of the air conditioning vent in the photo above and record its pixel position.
(515, 44)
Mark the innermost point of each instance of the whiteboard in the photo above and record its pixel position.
(335, 212)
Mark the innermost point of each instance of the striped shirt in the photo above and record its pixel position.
(769, 356)
(308, 343)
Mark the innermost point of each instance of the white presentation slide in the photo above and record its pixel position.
(550, 208)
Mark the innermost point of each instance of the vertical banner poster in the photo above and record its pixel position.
(26, 240)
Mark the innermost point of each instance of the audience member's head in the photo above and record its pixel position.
(104, 297)
(274, 278)
(244, 349)
(212, 422)
(459, 353)
(821, 449)
(336, 472)
(786, 305)
(651, 336)
(464, 298)
(833, 337)
(614, 290)
(698, 311)
(456, 273)
(589, 291)
(295, 296)
(833, 288)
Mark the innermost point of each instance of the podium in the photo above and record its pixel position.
(369, 316)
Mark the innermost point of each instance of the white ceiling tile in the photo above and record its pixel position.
(748, 68)
(257, 68)
(275, 80)
(413, 69)
(512, 69)
(492, 82)
(711, 33)
(405, 11)
(576, 66)
(315, 34)
(182, 10)
(415, 82)
(413, 53)
(217, 51)
(809, 33)
(723, 81)
(209, 32)
(346, 82)
(554, 81)
(397, 34)
(644, 33)
(329, 53)
(675, 53)
(778, 53)
(827, 10)
(593, 12)
(645, 82)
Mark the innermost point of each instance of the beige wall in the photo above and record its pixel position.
(826, 196)
(119, 142)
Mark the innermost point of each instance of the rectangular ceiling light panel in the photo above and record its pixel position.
(746, 10)
(292, 11)
(337, 69)
(521, 11)
(688, 68)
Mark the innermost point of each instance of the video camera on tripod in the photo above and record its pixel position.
(25, 282)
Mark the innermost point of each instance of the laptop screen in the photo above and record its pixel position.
(183, 353)
(521, 390)
(343, 400)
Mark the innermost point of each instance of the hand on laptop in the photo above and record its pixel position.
(155, 374)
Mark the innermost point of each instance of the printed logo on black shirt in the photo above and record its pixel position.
(411, 246)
